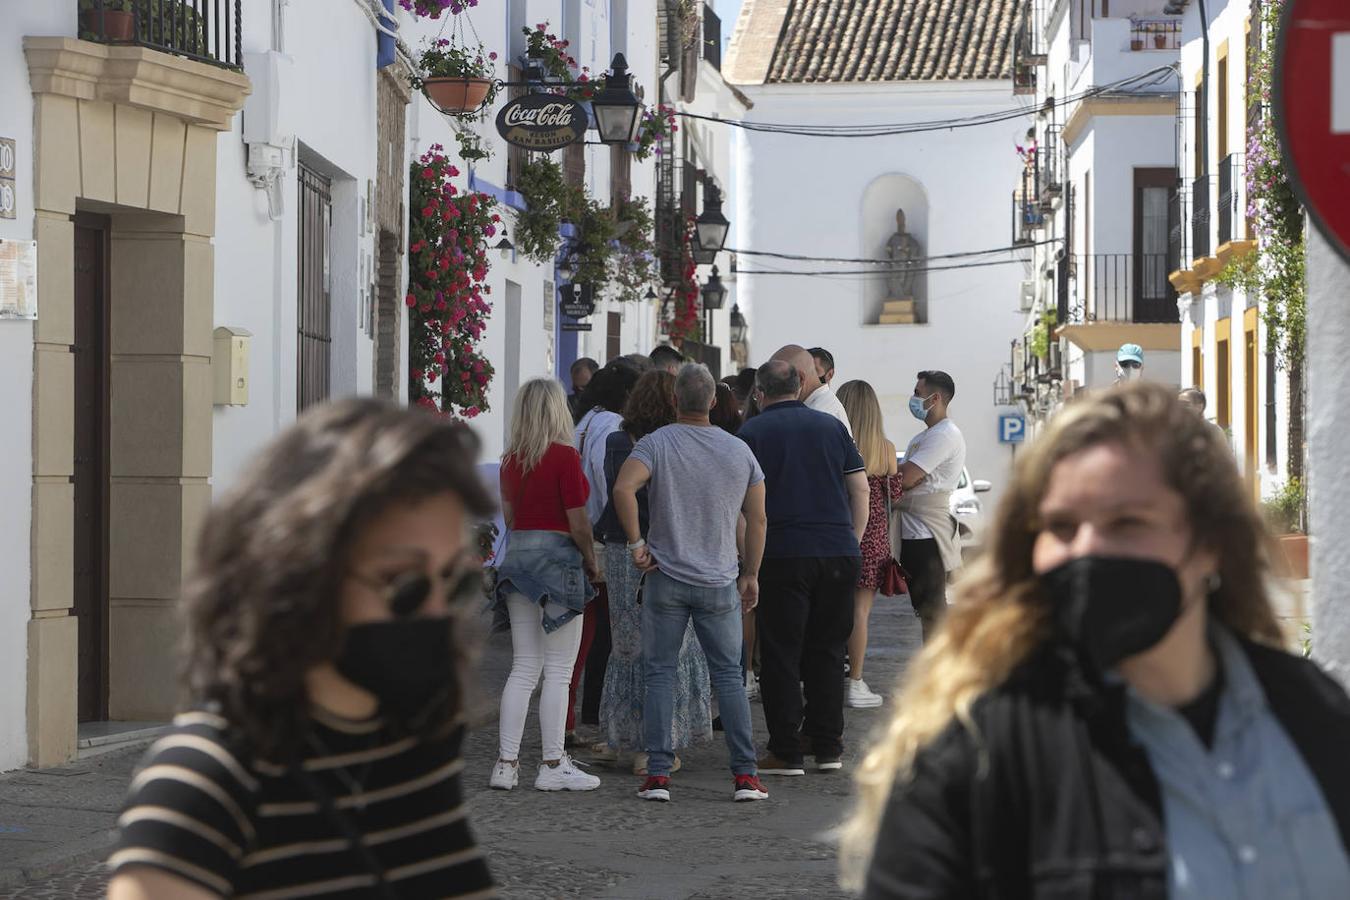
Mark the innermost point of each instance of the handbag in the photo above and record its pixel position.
(893, 581)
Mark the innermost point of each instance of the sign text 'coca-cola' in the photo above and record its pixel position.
(542, 122)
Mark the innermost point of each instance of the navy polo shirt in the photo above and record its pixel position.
(805, 455)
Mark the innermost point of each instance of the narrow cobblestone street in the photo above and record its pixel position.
(608, 844)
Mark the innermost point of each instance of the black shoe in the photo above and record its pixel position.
(571, 741)
(717, 724)
(830, 763)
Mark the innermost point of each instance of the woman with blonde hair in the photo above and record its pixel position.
(864, 414)
(543, 581)
(1105, 711)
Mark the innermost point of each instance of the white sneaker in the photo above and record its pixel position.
(565, 776)
(860, 696)
(504, 776)
(752, 688)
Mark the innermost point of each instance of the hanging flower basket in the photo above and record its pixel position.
(454, 96)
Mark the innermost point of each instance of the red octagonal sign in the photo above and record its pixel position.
(1313, 110)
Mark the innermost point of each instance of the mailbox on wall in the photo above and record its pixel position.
(229, 360)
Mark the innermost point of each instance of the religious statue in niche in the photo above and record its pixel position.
(906, 258)
(906, 264)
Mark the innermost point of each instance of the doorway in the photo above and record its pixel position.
(91, 470)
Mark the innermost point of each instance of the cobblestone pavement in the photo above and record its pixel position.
(608, 844)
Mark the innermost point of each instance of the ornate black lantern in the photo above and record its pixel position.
(712, 226)
(714, 292)
(617, 109)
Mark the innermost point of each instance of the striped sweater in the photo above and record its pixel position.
(248, 828)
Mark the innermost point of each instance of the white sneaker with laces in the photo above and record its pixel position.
(504, 776)
(860, 696)
(565, 776)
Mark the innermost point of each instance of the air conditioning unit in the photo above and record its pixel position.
(1026, 295)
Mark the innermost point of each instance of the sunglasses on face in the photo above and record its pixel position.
(408, 592)
(1130, 364)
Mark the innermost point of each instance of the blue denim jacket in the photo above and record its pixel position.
(546, 567)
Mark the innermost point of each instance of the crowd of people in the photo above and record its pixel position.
(699, 496)
(1102, 711)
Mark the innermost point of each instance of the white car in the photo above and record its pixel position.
(966, 506)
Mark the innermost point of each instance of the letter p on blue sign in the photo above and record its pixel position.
(1012, 429)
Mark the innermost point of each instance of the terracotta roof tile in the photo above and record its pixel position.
(894, 40)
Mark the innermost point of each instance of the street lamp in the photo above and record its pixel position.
(505, 245)
(616, 107)
(738, 325)
(714, 292)
(702, 256)
(712, 226)
(651, 294)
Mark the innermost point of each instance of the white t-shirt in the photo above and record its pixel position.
(941, 452)
(824, 400)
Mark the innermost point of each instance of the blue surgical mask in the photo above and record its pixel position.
(918, 408)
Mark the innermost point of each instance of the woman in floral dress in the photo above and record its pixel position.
(864, 415)
(650, 406)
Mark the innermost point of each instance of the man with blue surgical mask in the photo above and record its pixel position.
(930, 544)
(1129, 363)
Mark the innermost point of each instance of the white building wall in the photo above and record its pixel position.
(806, 196)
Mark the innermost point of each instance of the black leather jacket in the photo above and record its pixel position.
(1054, 799)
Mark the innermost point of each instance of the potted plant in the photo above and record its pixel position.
(635, 259)
(656, 124)
(109, 20)
(1136, 43)
(1284, 513)
(432, 9)
(547, 58)
(457, 80)
(1160, 39)
(547, 196)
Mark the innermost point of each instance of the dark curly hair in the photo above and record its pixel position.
(651, 404)
(262, 603)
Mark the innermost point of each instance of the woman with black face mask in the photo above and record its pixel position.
(321, 747)
(1107, 711)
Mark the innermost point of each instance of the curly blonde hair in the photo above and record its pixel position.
(1000, 616)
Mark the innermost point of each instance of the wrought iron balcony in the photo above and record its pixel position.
(1120, 287)
(1027, 214)
(1050, 165)
(205, 30)
(1201, 216)
(1232, 214)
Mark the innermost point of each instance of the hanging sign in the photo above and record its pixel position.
(542, 122)
(577, 309)
(578, 301)
(1312, 110)
(576, 326)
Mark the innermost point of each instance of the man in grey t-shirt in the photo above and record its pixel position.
(699, 480)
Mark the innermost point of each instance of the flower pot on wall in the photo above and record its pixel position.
(1136, 44)
(1160, 41)
(116, 25)
(456, 95)
(1294, 556)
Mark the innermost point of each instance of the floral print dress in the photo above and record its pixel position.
(876, 542)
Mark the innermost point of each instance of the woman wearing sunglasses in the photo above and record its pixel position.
(324, 668)
(544, 582)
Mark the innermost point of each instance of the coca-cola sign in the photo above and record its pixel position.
(542, 122)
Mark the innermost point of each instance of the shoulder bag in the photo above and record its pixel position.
(893, 580)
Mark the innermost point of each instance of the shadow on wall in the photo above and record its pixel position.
(895, 227)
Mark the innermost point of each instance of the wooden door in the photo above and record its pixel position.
(91, 462)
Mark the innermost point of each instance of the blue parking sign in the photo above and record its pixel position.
(1012, 428)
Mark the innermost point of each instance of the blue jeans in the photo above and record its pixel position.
(667, 606)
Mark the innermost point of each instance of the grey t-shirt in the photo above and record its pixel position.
(699, 479)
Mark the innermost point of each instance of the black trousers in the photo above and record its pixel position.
(805, 617)
(927, 581)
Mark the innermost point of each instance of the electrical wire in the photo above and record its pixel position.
(844, 259)
(808, 272)
(890, 130)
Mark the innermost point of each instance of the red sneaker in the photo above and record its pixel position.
(748, 787)
(657, 787)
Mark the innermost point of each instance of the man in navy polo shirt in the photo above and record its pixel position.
(817, 501)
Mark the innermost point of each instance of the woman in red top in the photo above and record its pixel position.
(544, 581)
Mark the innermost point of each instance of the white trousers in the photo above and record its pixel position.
(533, 653)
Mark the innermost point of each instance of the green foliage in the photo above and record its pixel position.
(1040, 334)
(547, 194)
(1279, 274)
(591, 250)
(1284, 511)
(635, 260)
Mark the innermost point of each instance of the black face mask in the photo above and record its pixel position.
(406, 663)
(1111, 609)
